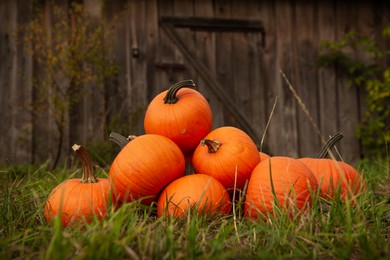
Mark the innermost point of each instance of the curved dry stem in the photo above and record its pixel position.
(119, 139)
(170, 97)
(212, 145)
(330, 144)
(88, 174)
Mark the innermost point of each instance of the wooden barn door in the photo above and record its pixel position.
(224, 55)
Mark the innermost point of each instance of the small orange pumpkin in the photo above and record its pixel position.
(224, 152)
(282, 181)
(144, 167)
(78, 200)
(332, 174)
(199, 191)
(182, 114)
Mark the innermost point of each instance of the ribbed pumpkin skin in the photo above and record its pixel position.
(78, 201)
(331, 174)
(144, 167)
(185, 122)
(238, 151)
(199, 190)
(293, 184)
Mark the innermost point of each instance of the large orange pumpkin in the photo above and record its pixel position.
(332, 175)
(144, 167)
(279, 181)
(200, 192)
(225, 152)
(78, 200)
(182, 114)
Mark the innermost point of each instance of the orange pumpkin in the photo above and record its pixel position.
(196, 191)
(332, 175)
(182, 114)
(78, 200)
(281, 181)
(144, 167)
(263, 156)
(224, 152)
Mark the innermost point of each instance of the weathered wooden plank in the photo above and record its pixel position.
(239, 66)
(8, 20)
(224, 58)
(117, 91)
(306, 76)
(140, 43)
(165, 52)
(94, 99)
(347, 97)
(385, 18)
(13, 74)
(381, 17)
(267, 13)
(24, 98)
(246, 67)
(182, 10)
(49, 133)
(16, 88)
(256, 71)
(216, 24)
(152, 43)
(284, 123)
(205, 52)
(367, 26)
(327, 88)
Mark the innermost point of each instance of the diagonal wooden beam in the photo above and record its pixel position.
(214, 24)
(213, 84)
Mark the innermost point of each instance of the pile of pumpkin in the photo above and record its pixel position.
(151, 168)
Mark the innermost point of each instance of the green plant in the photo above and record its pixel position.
(71, 54)
(369, 71)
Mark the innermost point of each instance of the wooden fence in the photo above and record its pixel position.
(233, 50)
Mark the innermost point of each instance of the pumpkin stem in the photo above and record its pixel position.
(170, 97)
(120, 139)
(82, 153)
(329, 144)
(212, 145)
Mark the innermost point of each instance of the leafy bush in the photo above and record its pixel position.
(369, 71)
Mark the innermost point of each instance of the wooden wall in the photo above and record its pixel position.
(239, 73)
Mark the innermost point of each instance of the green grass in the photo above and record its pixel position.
(330, 230)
